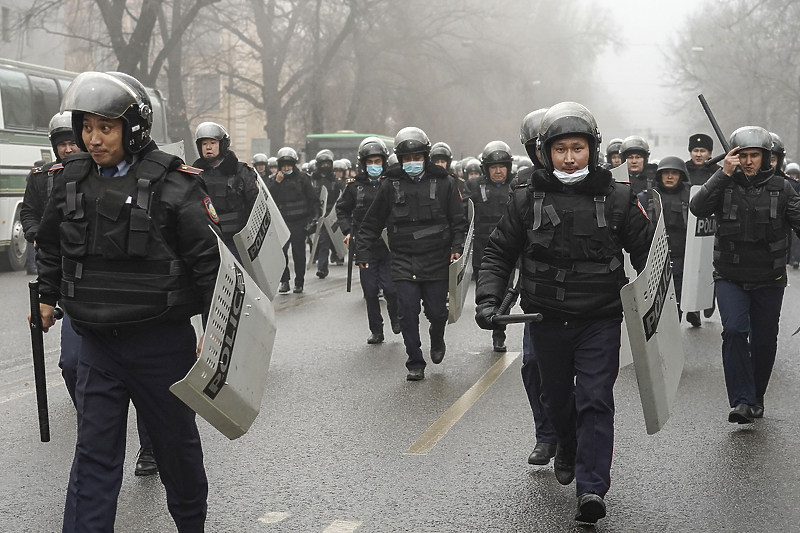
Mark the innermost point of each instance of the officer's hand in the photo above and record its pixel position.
(363, 265)
(279, 176)
(48, 318)
(200, 345)
(730, 162)
(483, 316)
(347, 241)
(454, 257)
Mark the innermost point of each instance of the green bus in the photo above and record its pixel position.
(29, 97)
(343, 144)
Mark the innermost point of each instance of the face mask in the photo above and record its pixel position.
(414, 168)
(569, 179)
(374, 170)
(288, 172)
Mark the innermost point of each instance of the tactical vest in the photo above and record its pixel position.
(117, 269)
(573, 254)
(675, 207)
(365, 195)
(228, 203)
(751, 240)
(489, 207)
(417, 223)
(291, 198)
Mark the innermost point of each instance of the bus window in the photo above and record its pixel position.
(15, 92)
(45, 101)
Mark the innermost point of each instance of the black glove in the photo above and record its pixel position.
(484, 314)
(311, 228)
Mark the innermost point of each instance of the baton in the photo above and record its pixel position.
(37, 342)
(512, 293)
(714, 160)
(714, 124)
(502, 320)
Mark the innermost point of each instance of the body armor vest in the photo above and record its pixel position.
(573, 255)
(751, 239)
(291, 200)
(675, 206)
(117, 269)
(228, 203)
(417, 223)
(489, 207)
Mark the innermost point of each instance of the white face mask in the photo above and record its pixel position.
(570, 179)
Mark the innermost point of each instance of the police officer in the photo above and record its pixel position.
(419, 204)
(777, 157)
(260, 162)
(613, 157)
(126, 246)
(700, 148)
(442, 155)
(299, 205)
(635, 152)
(323, 176)
(756, 211)
(340, 172)
(272, 166)
(489, 194)
(569, 224)
(472, 170)
(672, 184)
(231, 184)
(350, 210)
(545, 448)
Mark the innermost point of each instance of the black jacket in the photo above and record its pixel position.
(645, 179)
(353, 205)
(329, 182)
(698, 175)
(37, 193)
(118, 249)
(675, 204)
(295, 198)
(233, 190)
(572, 262)
(425, 222)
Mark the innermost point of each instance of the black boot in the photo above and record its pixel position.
(375, 338)
(145, 463)
(437, 344)
(392, 308)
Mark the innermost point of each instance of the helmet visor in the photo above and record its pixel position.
(98, 93)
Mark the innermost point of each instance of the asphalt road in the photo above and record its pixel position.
(328, 450)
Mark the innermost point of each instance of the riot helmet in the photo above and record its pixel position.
(340, 165)
(304, 167)
(260, 159)
(312, 165)
(111, 95)
(793, 169)
(392, 160)
(473, 166)
(529, 131)
(524, 162)
(412, 140)
(778, 149)
(633, 145)
(753, 137)
(568, 118)
(370, 147)
(60, 131)
(613, 149)
(324, 155)
(672, 162)
(212, 130)
(496, 152)
(441, 151)
(272, 162)
(286, 156)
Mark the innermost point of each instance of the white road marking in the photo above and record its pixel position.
(342, 526)
(273, 517)
(438, 429)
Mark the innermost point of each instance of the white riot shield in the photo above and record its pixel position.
(620, 173)
(175, 149)
(625, 353)
(461, 272)
(260, 243)
(226, 384)
(331, 223)
(323, 200)
(698, 262)
(654, 331)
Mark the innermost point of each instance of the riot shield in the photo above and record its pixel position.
(625, 353)
(260, 243)
(177, 149)
(620, 173)
(226, 384)
(331, 223)
(698, 262)
(323, 200)
(461, 272)
(651, 313)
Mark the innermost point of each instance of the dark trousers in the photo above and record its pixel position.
(749, 338)
(373, 278)
(433, 295)
(297, 240)
(68, 363)
(532, 380)
(323, 250)
(579, 364)
(111, 373)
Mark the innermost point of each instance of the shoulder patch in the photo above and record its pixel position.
(639, 205)
(351, 180)
(37, 170)
(57, 166)
(212, 213)
(186, 169)
(520, 185)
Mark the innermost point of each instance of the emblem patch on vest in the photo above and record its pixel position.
(212, 213)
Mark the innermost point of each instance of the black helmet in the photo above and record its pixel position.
(260, 159)
(529, 131)
(634, 144)
(371, 146)
(613, 147)
(568, 118)
(111, 95)
(672, 162)
(324, 155)
(412, 140)
(287, 155)
(441, 150)
(496, 152)
(753, 137)
(778, 149)
(60, 130)
(472, 165)
(212, 130)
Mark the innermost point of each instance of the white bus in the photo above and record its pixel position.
(29, 97)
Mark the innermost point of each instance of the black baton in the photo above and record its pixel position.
(714, 124)
(37, 342)
(502, 320)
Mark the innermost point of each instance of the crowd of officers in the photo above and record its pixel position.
(126, 240)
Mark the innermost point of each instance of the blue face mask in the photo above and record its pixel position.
(414, 168)
(288, 172)
(374, 170)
